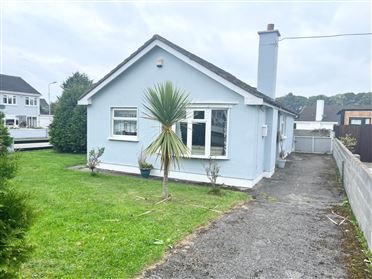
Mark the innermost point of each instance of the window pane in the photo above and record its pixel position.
(181, 131)
(27, 101)
(125, 127)
(198, 139)
(125, 113)
(356, 121)
(218, 132)
(368, 121)
(199, 114)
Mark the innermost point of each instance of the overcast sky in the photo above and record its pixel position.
(44, 42)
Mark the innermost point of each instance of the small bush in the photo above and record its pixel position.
(350, 142)
(93, 160)
(142, 161)
(213, 171)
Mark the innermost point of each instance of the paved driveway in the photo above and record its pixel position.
(284, 233)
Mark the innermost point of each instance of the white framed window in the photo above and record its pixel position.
(205, 132)
(31, 122)
(124, 124)
(31, 101)
(9, 99)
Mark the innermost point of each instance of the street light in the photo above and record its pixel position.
(49, 84)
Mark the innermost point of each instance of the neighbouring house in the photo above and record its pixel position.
(241, 127)
(355, 115)
(21, 102)
(318, 116)
(45, 118)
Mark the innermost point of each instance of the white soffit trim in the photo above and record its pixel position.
(252, 99)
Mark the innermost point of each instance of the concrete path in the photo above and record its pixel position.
(284, 233)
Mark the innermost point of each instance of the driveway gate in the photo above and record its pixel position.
(314, 144)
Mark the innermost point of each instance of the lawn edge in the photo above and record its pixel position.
(188, 240)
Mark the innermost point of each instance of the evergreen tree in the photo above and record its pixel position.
(68, 132)
(15, 214)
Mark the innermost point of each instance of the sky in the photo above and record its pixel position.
(46, 41)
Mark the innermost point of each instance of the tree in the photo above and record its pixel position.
(15, 214)
(297, 103)
(167, 105)
(68, 132)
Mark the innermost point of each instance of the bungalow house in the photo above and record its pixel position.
(20, 100)
(317, 117)
(241, 127)
(355, 115)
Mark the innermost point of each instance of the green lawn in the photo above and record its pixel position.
(95, 227)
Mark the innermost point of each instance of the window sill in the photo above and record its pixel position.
(206, 157)
(133, 139)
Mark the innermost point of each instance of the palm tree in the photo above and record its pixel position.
(167, 105)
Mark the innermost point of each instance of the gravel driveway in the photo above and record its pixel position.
(284, 233)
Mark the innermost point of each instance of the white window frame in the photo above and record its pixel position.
(32, 101)
(208, 128)
(123, 137)
(8, 97)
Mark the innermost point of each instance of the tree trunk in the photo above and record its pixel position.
(165, 178)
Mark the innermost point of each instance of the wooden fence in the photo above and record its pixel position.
(363, 134)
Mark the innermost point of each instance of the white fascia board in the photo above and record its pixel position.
(315, 122)
(20, 93)
(280, 109)
(233, 87)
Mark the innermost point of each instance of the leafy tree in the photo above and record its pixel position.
(167, 105)
(68, 132)
(15, 214)
(297, 103)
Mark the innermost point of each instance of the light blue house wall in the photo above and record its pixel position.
(245, 148)
(254, 120)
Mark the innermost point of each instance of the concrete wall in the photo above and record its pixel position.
(23, 133)
(314, 125)
(45, 121)
(358, 185)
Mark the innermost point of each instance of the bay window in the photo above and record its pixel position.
(204, 131)
(124, 123)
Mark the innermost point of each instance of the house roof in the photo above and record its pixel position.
(309, 113)
(218, 71)
(15, 84)
(355, 108)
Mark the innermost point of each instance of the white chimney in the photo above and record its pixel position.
(319, 110)
(268, 60)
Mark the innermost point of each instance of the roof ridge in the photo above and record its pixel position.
(211, 67)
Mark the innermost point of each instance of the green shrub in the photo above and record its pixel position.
(15, 214)
(349, 141)
(68, 132)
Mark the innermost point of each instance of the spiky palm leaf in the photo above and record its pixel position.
(167, 105)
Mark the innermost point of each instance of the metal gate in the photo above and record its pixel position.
(313, 144)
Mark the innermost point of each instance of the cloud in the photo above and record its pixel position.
(45, 42)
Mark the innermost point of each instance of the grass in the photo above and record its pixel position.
(105, 226)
